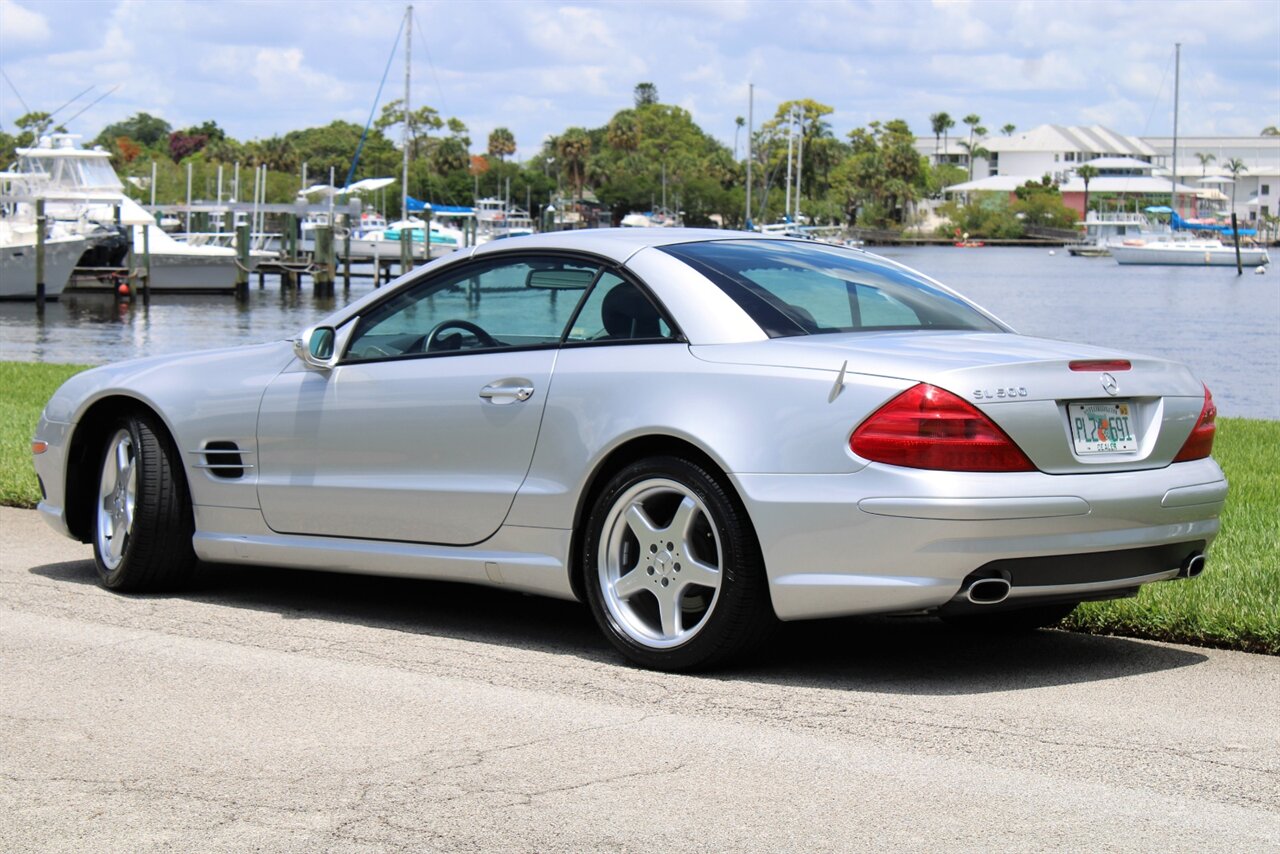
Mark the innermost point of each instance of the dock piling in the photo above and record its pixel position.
(406, 250)
(40, 248)
(243, 239)
(146, 264)
(346, 252)
(323, 260)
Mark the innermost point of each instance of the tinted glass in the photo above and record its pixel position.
(791, 288)
(617, 310)
(481, 307)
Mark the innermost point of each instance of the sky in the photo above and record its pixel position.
(264, 67)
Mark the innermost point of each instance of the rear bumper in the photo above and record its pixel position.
(888, 539)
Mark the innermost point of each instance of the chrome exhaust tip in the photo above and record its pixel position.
(1192, 566)
(988, 591)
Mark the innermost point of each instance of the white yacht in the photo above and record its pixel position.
(18, 254)
(83, 192)
(495, 219)
(1105, 228)
(1185, 250)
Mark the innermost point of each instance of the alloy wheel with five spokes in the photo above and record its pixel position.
(671, 565)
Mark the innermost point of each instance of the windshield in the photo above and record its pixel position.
(73, 173)
(97, 172)
(792, 288)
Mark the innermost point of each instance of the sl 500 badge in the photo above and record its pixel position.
(999, 393)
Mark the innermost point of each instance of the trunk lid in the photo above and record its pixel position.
(1056, 415)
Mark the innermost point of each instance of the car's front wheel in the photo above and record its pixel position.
(142, 513)
(673, 572)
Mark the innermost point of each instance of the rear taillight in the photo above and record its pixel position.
(926, 427)
(1200, 443)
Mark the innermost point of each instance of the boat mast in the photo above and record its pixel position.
(1177, 69)
(408, 64)
(751, 121)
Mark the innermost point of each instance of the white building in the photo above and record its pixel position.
(1057, 151)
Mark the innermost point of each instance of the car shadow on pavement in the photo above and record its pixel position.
(906, 655)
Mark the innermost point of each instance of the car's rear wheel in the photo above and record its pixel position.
(673, 571)
(1012, 622)
(142, 512)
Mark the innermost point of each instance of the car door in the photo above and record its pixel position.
(425, 429)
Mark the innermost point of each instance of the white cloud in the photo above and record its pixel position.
(539, 66)
(21, 24)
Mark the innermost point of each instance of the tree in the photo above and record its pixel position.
(1235, 166)
(333, 145)
(623, 131)
(973, 152)
(738, 124)
(1205, 160)
(1087, 173)
(940, 122)
(421, 122)
(31, 127)
(573, 148)
(501, 143)
(645, 94)
(973, 120)
(129, 150)
(883, 175)
(1271, 130)
(182, 144)
(143, 128)
(1008, 129)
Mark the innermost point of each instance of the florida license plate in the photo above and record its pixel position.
(1103, 428)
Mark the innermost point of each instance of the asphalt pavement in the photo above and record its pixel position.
(288, 711)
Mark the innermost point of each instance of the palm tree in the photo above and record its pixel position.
(501, 143)
(573, 149)
(738, 124)
(1205, 160)
(972, 120)
(939, 122)
(1008, 129)
(1235, 166)
(1087, 173)
(974, 152)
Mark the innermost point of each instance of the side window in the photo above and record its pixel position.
(617, 310)
(481, 307)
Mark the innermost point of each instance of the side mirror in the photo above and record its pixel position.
(315, 347)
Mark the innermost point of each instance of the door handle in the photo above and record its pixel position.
(500, 393)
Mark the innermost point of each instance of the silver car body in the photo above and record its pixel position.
(395, 481)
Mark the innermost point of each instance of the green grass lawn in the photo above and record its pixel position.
(1235, 604)
(24, 389)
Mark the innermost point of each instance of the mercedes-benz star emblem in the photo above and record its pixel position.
(1109, 385)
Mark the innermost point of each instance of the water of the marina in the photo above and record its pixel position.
(1226, 327)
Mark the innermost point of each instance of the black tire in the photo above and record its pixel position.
(1011, 622)
(156, 526)
(721, 622)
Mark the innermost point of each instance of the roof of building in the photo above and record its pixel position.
(1137, 184)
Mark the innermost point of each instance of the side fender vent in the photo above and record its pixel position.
(222, 460)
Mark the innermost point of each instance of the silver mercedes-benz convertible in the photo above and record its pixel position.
(696, 432)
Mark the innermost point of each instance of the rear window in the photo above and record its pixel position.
(792, 288)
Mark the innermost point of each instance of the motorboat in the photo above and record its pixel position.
(84, 194)
(18, 239)
(1186, 250)
(1104, 228)
(495, 219)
